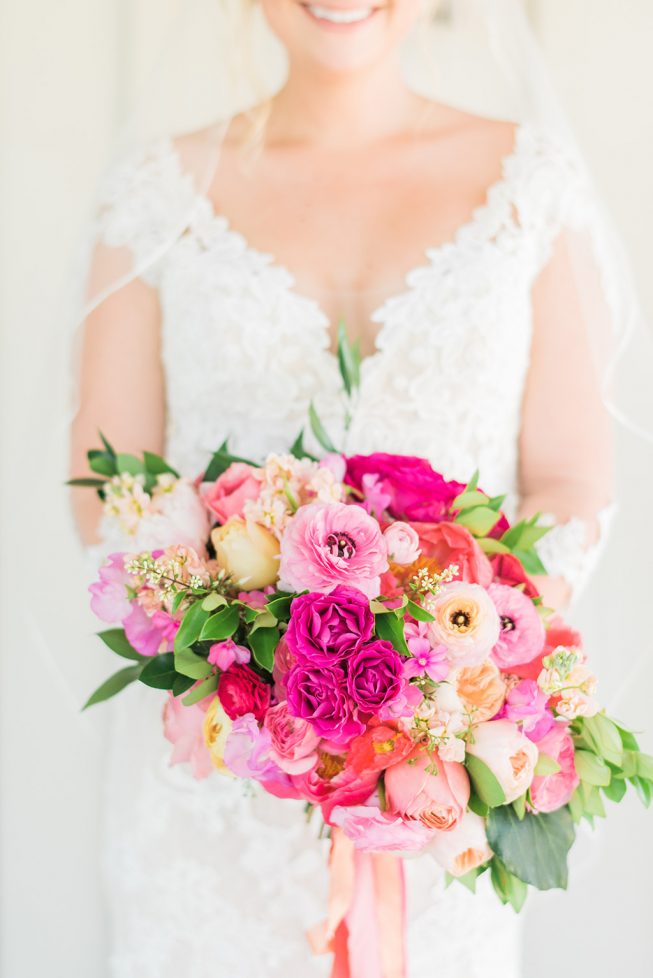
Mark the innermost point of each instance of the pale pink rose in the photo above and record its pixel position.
(224, 654)
(426, 788)
(293, 742)
(183, 727)
(330, 544)
(402, 543)
(372, 830)
(463, 848)
(109, 597)
(466, 622)
(227, 495)
(175, 517)
(508, 753)
(552, 791)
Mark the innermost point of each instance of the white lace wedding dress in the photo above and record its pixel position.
(209, 879)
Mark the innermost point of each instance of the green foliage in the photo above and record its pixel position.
(114, 684)
(191, 626)
(221, 625)
(349, 361)
(319, 430)
(116, 640)
(220, 462)
(390, 627)
(508, 887)
(418, 613)
(263, 642)
(191, 665)
(297, 448)
(203, 689)
(546, 765)
(159, 672)
(485, 783)
(534, 848)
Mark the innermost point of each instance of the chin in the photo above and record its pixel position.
(341, 36)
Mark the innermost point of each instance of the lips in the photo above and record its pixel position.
(340, 16)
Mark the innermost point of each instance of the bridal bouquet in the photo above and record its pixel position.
(364, 635)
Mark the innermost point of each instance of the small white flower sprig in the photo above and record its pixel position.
(424, 582)
(173, 577)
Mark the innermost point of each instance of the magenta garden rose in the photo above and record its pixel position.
(317, 694)
(415, 490)
(330, 544)
(324, 627)
(375, 676)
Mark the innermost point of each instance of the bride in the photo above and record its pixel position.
(448, 243)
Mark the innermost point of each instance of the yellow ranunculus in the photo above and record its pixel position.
(248, 552)
(217, 727)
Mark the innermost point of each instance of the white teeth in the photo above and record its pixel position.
(341, 16)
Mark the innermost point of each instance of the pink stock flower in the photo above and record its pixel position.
(451, 543)
(224, 654)
(425, 787)
(241, 691)
(109, 597)
(416, 491)
(227, 496)
(402, 542)
(372, 830)
(528, 705)
(550, 792)
(293, 742)
(150, 635)
(522, 633)
(376, 498)
(326, 627)
(330, 544)
(183, 727)
(426, 659)
(319, 694)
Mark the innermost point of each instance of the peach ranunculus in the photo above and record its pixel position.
(465, 621)
(451, 543)
(425, 787)
(464, 848)
(248, 552)
(227, 495)
(508, 753)
(481, 690)
(217, 727)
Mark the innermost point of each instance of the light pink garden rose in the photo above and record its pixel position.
(109, 597)
(293, 742)
(522, 632)
(330, 544)
(228, 494)
(415, 791)
(372, 830)
(183, 726)
(463, 848)
(508, 753)
(402, 543)
(550, 792)
(466, 622)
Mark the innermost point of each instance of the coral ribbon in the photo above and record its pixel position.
(365, 925)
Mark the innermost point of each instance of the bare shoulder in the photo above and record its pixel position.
(444, 123)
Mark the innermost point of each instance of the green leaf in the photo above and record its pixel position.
(616, 790)
(203, 689)
(391, 629)
(177, 600)
(188, 663)
(644, 789)
(592, 801)
(213, 601)
(478, 806)
(110, 450)
(519, 807)
(156, 465)
(469, 500)
(485, 783)
(592, 769)
(181, 684)
(479, 520)
(160, 671)
(508, 888)
(279, 605)
(645, 766)
(263, 643)
(468, 880)
(191, 626)
(102, 463)
(114, 684)
(116, 640)
(628, 738)
(319, 430)
(348, 361)
(546, 765)
(577, 805)
(221, 625)
(220, 462)
(264, 619)
(604, 737)
(86, 483)
(530, 561)
(298, 450)
(491, 546)
(535, 848)
(418, 613)
(129, 464)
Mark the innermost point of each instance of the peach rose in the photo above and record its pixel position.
(508, 753)
(481, 690)
(248, 552)
(427, 788)
(228, 494)
(463, 848)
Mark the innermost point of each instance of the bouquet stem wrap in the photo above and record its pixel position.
(365, 928)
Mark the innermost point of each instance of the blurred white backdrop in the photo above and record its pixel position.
(68, 70)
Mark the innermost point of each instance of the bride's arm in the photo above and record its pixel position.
(566, 438)
(121, 388)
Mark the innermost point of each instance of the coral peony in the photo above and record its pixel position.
(451, 543)
(425, 787)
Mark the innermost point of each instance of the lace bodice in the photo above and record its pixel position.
(199, 881)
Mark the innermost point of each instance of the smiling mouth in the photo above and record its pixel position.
(339, 17)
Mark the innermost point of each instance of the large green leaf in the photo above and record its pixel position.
(117, 641)
(221, 625)
(603, 737)
(114, 684)
(203, 689)
(479, 520)
(263, 642)
(191, 626)
(391, 629)
(220, 462)
(592, 769)
(319, 430)
(189, 664)
(102, 462)
(533, 849)
(130, 464)
(418, 613)
(485, 783)
(160, 672)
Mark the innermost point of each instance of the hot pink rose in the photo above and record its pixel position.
(522, 632)
(550, 792)
(318, 693)
(109, 597)
(427, 788)
(183, 727)
(327, 544)
(293, 742)
(325, 627)
(372, 830)
(228, 494)
(451, 543)
(416, 491)
(241, 691)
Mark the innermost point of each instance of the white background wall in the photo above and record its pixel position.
(67, 69)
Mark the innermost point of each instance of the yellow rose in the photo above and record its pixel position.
(217, 727)
(248, 552)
